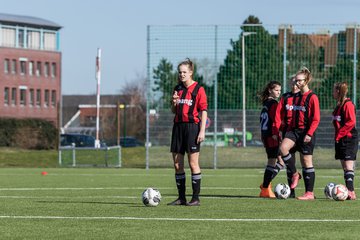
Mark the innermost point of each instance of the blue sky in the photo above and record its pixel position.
(119, 28)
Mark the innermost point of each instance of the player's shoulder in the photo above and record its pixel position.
(179, 87)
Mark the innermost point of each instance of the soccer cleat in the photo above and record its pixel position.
(177, 202)
(193, 202)
(307, 196)
(295, 180)
(351, 195)
(266, 192)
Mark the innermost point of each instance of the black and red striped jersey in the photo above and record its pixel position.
(283, 117)
(191, 102)
(267, 117)
(344, 120)
(305, 112)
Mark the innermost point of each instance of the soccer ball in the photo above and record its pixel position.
(151, 197)
(340, 192)
(282, 191)
(328, 190)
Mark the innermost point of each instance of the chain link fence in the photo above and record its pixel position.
(230, 57)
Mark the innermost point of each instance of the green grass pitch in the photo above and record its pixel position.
(106, 204)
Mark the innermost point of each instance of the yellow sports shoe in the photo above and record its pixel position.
(266, 192)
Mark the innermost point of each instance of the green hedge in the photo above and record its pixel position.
(28, 133)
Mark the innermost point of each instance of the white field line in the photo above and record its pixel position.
(130, 188)
(180, 219)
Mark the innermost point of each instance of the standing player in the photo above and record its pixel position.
(346, 135)
(283, 120)
(188, 102)
(268, 98)
(301, 133)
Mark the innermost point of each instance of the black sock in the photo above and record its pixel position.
(349, 179)
(196, 182)
(180, 184)
(269, 171)
(289, 161)
(309, 178)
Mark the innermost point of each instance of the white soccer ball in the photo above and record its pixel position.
(282, 191)
(340, 192)
(328, 190)
(151, 197)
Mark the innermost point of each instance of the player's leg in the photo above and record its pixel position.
(266, 191)
(349, 175)
(309, 177)
(178, 151)
(195, 178)
(292, 172)
(193, 152)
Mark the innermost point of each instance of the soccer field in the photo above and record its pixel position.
(106, 204)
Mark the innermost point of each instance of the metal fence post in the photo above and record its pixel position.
(73, 155)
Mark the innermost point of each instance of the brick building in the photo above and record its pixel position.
(30, 69)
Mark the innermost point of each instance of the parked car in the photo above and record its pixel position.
(130, 142)
(80, 140)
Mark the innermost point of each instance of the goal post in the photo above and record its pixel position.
(90, 157)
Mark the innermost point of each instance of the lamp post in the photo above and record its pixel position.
(244, 34)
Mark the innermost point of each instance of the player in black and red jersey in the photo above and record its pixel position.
(283, 120)
(268, 98)
(346, 135)
(189, 103)
(301, 132)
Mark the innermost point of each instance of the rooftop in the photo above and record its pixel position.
(12, 19)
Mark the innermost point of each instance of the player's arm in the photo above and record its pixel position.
(201, 136)
(314, 112)
(350, 121)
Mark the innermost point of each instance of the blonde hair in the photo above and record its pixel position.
(307, 73)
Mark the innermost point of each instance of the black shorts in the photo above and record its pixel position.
(346, 148)
(184, 138)
(298, 137)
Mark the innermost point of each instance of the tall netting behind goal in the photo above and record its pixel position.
(90, 157)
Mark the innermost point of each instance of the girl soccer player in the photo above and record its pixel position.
(269, 138)
(188, 103)
(346, 135)
(301, 132)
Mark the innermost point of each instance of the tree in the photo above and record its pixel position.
(263, 63)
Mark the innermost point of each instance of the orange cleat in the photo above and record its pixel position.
(307, 196)
(351, 196)
(295, 180)
(266, 192)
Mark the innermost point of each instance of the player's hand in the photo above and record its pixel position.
(175, 98)
(201, 137)
(307, 139)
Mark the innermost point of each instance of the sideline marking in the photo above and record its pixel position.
(183, 219)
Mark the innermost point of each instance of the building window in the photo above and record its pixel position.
(13, 96)
(53, 98)
(6, 96)
(21, 38)
(38, 68)
(31, 97)
(8, 36)
(33, 39)
(13, 66)
(46, 69)
(23, 97)
(38, 97)
(50, 41)
(53, 70)
(6, 65)
(46, 98)
(31, 68)
(22, 67)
